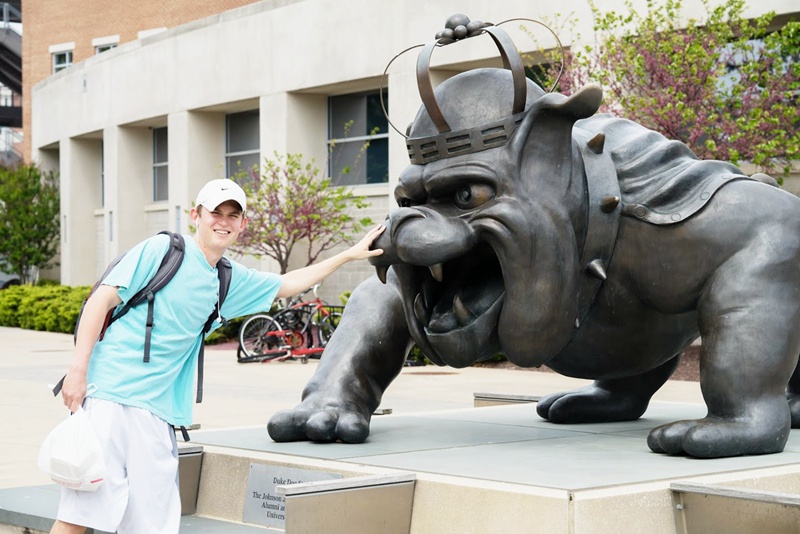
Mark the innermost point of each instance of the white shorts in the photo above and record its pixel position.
(140, 493)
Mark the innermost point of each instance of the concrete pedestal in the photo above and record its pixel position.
(504, 469)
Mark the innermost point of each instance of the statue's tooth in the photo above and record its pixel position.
(436, 272)
(381, 270)
(427, 294)
(420, 311)
(462, 313)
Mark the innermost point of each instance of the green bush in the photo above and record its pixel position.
(50, 308)
(9, 303)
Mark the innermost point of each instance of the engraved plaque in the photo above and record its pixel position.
(263, 505)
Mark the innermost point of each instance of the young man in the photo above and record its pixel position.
(134, 405)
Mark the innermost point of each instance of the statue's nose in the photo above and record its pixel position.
(387, 239)
(384, 241)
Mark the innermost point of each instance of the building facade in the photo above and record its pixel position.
(59, 34)
(136, 130)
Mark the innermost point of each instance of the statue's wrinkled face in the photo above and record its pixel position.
(445, 233)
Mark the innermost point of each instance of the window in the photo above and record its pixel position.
(104, 48)
(242, 142)
(160, 165)
(61, 60)
(358, 139)
(104, 44)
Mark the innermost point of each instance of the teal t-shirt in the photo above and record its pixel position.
(165, 384)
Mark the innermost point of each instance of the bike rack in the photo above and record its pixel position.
(282, 354)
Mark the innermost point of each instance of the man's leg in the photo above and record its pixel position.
(59, 527)
(154, 503)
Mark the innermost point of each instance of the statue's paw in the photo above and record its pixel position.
(324, 425)
(591, 404)
(719, 438)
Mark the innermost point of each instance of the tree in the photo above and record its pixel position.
(291, 206)
(29, 221)
(726, 86)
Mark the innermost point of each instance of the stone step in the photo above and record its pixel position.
(32, 510)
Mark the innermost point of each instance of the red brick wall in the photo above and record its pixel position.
(49, 22)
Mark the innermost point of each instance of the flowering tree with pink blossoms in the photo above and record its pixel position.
(290, 206)
(726, 86)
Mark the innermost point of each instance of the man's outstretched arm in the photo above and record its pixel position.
(299, 280)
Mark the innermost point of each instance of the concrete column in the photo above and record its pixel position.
(273, 119)
(296, 123)
(130, 188)
(292, 123)
(80, 197)
(307, 127)
(179, 156)
(196, 155)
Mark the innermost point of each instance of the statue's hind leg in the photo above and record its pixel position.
(620, 399)
(750, 347)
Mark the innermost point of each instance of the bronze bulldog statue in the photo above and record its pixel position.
(583, 242)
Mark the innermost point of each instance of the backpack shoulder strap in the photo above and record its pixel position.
(166, 271)
(224, 272)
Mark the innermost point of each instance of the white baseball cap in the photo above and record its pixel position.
(218, 191)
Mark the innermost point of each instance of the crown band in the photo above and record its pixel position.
(422, 150)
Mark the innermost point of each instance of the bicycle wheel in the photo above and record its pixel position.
(255, 338)
(326, 325)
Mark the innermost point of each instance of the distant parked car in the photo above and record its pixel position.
(7, 280)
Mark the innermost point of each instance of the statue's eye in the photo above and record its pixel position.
(472, 196)
(404, 202)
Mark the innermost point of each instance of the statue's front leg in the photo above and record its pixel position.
(364, 355)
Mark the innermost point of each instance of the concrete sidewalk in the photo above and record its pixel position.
(235, 395)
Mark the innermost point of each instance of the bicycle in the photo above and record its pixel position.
(290, 332)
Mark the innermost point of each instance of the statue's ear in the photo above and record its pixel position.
(544, 137)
